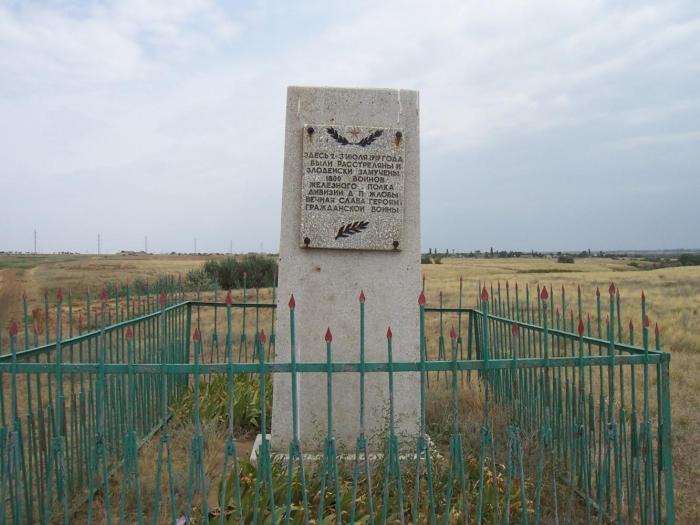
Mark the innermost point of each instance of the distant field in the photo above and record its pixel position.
(77, 273)
(673, 296)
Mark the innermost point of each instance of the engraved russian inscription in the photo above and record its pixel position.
(353, 187)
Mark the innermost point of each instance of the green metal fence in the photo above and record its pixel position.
(553, 417)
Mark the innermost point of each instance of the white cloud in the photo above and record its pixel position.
(121, 96)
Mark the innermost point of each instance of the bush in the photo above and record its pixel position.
(229, 272)
(199, 279)
(567, 259)
(689, 259)
(425, 259)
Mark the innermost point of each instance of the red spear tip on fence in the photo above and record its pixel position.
(453, 333)
(197, 337)
(245, 275)
(262, 337)
(362, 296)
(644, 297)
(24, 295)
(329, 335)
(129, 333)
(484, 294)
(544, 294)
(59, 295)
(292, 303)
(162, 299)
(229, 299)
(657, 331)
(389, 333)
(556, 312)
(580, 327)
(103, 295)
(646, 321)
(631, 325)
(461, 279)
(421, 298)
(611, 289)
(514, 329)
(13, 328)
(597, 291)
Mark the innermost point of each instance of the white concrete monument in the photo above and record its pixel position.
(350, 222)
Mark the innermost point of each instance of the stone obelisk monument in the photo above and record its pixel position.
(350, 223)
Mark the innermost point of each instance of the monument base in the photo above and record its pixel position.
(314, 457)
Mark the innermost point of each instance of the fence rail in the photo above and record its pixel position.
(526, 417)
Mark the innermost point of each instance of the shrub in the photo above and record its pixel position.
(199, 279)
(567, 259)
(260, 270)
(425, 259)
(689, 259)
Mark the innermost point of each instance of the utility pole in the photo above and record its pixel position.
(99, 247)
(145, 239)
(230, 248)
(35, 241)
(195, 245)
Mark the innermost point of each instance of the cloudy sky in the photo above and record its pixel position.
(544, 125)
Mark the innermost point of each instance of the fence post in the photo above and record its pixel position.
(666, 433)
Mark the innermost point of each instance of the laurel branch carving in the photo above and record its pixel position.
(343, 141)
(351, 229)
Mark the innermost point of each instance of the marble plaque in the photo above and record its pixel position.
(352, 187)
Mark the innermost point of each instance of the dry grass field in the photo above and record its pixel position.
(673, 300)
(673, 296)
